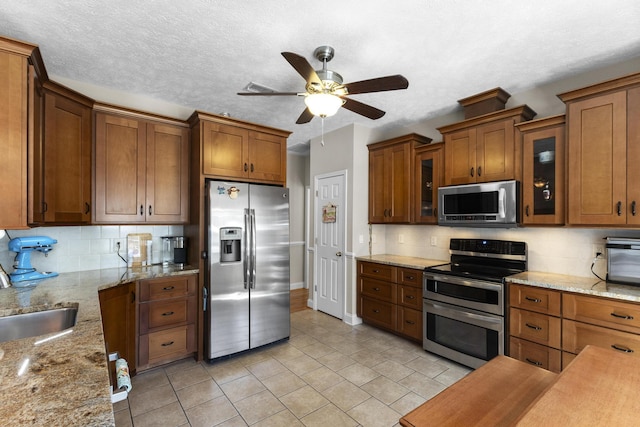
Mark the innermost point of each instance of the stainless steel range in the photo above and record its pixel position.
(464, 301)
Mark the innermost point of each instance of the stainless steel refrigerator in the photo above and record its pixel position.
(248, 274)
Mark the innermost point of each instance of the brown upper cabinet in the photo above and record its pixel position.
(21, 71)
(543, 167)
(483, 148)
(67, 156)
(237, 150)
(603, 131)
(391, 179)
(428, 176)
(141, 168)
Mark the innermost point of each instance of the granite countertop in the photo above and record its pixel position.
(402, 261)
(64, 381)
(582, 285)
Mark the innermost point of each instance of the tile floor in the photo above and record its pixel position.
(327, 374)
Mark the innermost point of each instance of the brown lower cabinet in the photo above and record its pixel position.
(390, 298)
(548, 328)
(151, 322)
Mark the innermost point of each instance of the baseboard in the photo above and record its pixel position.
(351, 319)
(297, 285)
(310, 303)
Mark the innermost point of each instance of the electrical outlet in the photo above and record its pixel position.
(118, 245)
(434, 241)
(597, 248)
(400, 238)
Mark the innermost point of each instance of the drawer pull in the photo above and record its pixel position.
(168, 288)
(410, 278)
(410, 322)
(376, 289)
(376, 271)
(621, 348)
(529, 325)
(376, 311)
(533, 362)
(167, 344)
(536, 300)
(622, 316)
(168, 313)
(409, 297)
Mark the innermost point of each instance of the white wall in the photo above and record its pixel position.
(296, 182)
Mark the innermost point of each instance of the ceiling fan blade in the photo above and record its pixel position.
(363, 109)
(379, 84)
(305, 117)
(270, 93)
(303, 67)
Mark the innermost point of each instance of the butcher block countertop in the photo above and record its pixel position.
(598, 388)
(63, 381)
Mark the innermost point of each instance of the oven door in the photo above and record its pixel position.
(466, 336)
(471, 293)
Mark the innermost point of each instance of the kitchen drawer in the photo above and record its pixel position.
(410, 297)
(410, 323)
(163, 314)
(536, 354)
(410, 277)
(379, 313)
(377, 289)
(378, 271)
(167, 345)
(535, 299)
(601, 311)
(535, 327)
(577, 335)
(168, 287)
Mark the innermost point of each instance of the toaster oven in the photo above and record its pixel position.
(623, 260)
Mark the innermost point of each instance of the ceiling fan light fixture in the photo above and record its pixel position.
(323, 104)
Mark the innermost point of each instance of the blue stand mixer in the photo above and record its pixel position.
(22, 264)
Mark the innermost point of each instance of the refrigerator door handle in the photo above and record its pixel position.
(205, 296)
(246, 266)
(253, 248)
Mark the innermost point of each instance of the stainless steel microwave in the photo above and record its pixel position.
(489, 204)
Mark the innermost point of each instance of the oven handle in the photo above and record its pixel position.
(492, 322)
(455, 280)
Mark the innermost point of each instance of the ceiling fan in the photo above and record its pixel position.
(325, 92)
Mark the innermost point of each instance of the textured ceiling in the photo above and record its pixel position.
(198, 53)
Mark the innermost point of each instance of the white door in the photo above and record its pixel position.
(330, 218)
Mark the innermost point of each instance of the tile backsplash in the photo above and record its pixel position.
(82, 248)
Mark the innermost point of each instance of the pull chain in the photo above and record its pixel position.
(322, 137)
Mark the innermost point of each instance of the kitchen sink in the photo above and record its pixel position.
(28, 325)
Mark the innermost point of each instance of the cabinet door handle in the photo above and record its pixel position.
(622, 348)
(633, 208)
(410, 277)
(410, 322)
(533, 362)
(167, 344)
(168, 313)
(149, 210)
(376, 271)
(251, 167)
(409, 297)
(45, 207)
(471, 172)
(168, 288)
(376, 311)
(479, 170)
(87, 208)
(376, 289)
(619, 204)
(141, 210)
(529, 325)
(435, 212)
(527, 210)
(622, 316)
(246, 167)
(536, 300)
(133, 297)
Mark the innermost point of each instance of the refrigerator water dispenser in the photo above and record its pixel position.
(230, 244)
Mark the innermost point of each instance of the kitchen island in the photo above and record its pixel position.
(63, 381)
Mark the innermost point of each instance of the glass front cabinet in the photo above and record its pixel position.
(543, 188)
(429, 175)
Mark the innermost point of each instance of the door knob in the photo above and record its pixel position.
(338, 253)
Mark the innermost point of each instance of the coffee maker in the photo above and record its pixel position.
(174, 251)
